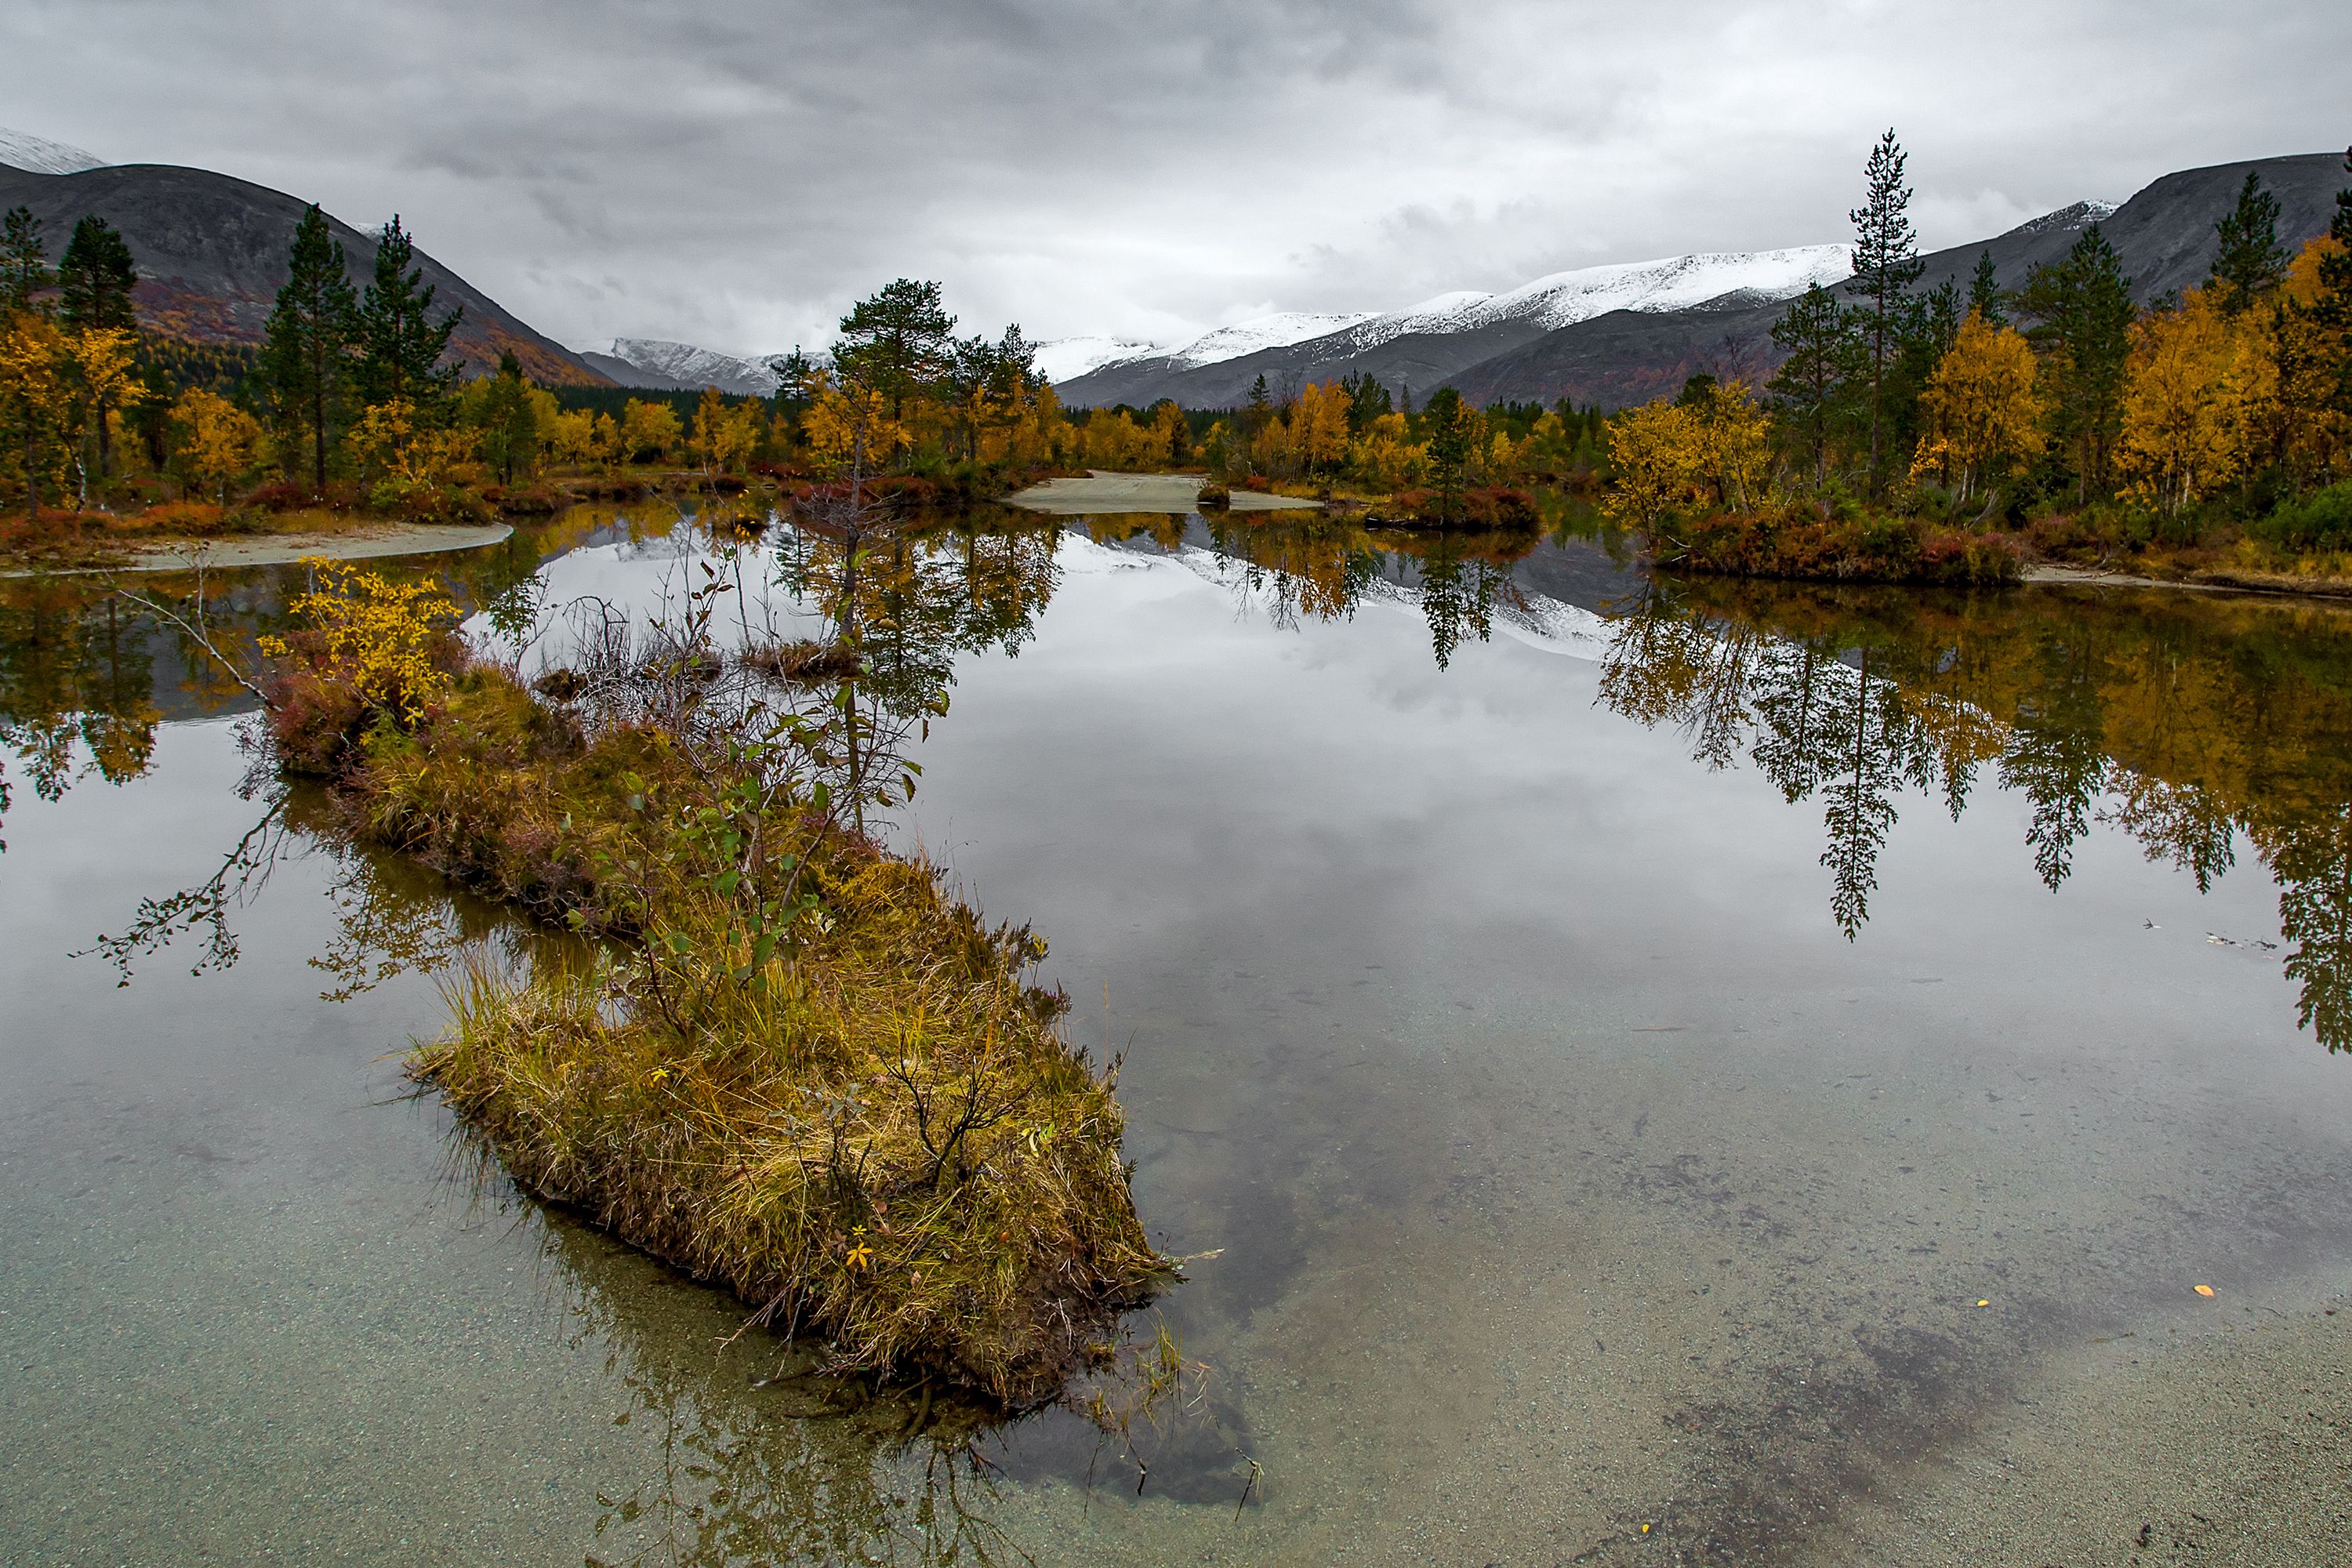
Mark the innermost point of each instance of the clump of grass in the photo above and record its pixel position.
(794, 1064)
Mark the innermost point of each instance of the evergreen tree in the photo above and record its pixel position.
(94, 283)
(896, 342)
(95, 278)
(510, 422)
(1984, 293)
(400, 345)
(1367, 401)
(24, 261)
(2083, 315)
(1886, 264)
(1449, 422)
(2250, 261)
(1805, 391)
(2335, 303)
(306, 352)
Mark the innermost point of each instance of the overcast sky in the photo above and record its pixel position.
(733, 174)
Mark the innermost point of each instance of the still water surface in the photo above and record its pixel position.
(1655, 1073)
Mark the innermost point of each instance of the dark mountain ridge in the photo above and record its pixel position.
(211, 251)
(2164, 236)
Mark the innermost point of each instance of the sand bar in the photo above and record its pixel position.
(1101, 492)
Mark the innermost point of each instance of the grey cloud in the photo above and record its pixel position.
(735, 173)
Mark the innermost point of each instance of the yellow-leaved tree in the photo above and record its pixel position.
(1981, 407)
(100, 370)
(1319, 427)
(849, 428)
(2194, 392)
(37, 404)
(647, 428)
(1172, 432)
(1732, 443)
(1654, 451)
(213, 443)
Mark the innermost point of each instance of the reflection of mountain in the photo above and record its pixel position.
(2188, 725)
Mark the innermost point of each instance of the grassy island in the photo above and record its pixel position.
(783, 1060)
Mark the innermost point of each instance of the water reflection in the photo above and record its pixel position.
(2188, 723)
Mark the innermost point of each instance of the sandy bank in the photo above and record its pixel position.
(1102, 492)
(282, 549)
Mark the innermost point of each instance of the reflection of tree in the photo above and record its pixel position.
(77, 681)
(2182, 725)
(1322, 566)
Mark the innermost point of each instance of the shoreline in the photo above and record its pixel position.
(373, 544)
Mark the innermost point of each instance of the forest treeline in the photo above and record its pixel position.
(2051, 414)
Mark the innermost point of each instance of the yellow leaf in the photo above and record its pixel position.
(2204, 1290)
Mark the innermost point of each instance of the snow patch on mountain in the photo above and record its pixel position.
(747, 376)
(2067, 219)
(1065, 359)
(40, 155)
(1274, 332)
(1672, 283)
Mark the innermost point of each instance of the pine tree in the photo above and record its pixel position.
(306, 354)
(1984, 293)
(399, 343)
(896, 342)
(2083, 315)
(94, 283)
(1449, 422)
(24, 261)
(1806, 389)
(95, 278)
(1886, 264)
(2250, 261)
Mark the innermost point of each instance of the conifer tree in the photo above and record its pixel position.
(24, 261)
(1984, 293)
(896, 342)
(1449, 422)
(1886, 264)
(2083, 315)
(2251, 261)
(400, 345)
(94, 283)
(510, 424)
(1805, 391)
(95, 278)
(306, 352)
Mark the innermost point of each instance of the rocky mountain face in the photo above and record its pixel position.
(681, 367)
(1623, 339)
(211, 251)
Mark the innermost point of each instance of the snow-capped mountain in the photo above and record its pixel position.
(1672, 283)
(1274, 332)
(683, 366)
(2069, 219)
(1065, 359)
(40, 155)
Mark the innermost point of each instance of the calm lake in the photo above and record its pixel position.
(1644, 1072)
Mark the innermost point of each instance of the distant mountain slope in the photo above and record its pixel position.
(1616, 335)
(211, 251)
(40, 155)
(2164, 236)
(1424, 344)
(655, 362)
